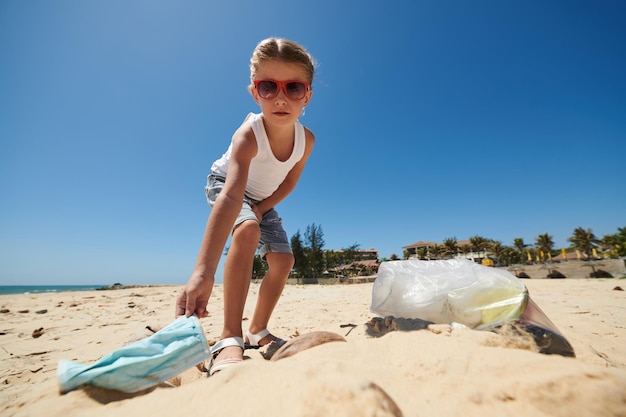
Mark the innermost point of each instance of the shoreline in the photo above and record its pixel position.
(57, 289)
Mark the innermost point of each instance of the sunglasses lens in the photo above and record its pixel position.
(267, 89)
(295, 90)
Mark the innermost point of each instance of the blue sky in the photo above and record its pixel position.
(434, 119)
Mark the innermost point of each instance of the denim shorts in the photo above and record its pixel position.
(273, 236)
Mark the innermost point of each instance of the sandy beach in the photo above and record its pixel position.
(435, 370)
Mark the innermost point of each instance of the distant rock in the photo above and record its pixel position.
(119, 286)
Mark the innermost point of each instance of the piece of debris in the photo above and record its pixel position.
(618, 288)
(299, 344)
(38, 332)
(202, 367)
(350, 325)
(379, 326)
(44, 311)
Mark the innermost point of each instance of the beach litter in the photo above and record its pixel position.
(463, 292)
(142, 364)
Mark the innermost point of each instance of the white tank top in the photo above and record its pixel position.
(266, 172)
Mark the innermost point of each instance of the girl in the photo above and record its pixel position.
(260, 168)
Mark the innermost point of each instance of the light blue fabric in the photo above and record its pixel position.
(142, 364)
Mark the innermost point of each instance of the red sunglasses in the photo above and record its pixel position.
(268, 89)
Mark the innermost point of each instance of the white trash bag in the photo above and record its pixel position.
(459, 291)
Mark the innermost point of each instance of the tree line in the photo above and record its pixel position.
(312, 260)
(583, 241)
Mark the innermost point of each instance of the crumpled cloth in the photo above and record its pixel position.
(142, 364)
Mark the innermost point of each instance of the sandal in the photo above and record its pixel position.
(218, 347)
(254, 339)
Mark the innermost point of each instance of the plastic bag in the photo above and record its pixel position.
(462, 291)
(447, 291)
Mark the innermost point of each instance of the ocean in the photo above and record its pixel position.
(38, 289)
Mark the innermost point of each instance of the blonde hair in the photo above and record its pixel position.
(282, 50)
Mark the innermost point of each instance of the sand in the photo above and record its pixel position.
(431, 370)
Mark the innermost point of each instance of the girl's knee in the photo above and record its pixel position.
(248, 230)
(280, 262)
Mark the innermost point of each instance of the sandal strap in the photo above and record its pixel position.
(219, 366)
(224, 343)
(254, 339)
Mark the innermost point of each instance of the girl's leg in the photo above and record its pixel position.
(237, 273)
(280, 265)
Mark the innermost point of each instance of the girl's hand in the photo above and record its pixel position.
(195, 297)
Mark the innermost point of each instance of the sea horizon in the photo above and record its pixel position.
(43, 289)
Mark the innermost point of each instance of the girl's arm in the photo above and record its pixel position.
(196, 294)
(288, 185)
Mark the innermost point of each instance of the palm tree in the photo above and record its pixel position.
(465, 249)
(450, 247)
(584, 241)
(611, 243)
(509, 256)
(519, 244)
(615, 243)
(545, 243)
(479, 243)
(498, 251)
(435, 251)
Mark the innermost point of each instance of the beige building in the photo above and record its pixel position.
(428, 250)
